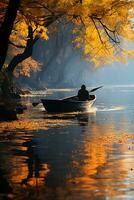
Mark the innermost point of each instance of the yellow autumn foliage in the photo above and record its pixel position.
(29, 65)
(100, 27)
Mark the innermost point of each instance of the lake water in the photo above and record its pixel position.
(77, 156)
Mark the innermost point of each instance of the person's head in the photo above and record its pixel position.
(83, 87)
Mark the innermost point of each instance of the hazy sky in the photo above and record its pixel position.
(115, 73)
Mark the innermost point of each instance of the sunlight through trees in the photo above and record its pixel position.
(102, 29)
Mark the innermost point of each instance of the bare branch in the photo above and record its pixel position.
(96, 29)
(18, 46)
(107, 30)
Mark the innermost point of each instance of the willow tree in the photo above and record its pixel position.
(101, 28)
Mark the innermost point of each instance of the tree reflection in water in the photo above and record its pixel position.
(33, 163)
(5, 188)
(34, 171)
(76, 160)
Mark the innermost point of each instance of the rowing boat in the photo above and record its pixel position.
(71, 104)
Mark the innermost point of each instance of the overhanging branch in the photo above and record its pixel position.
(108, 31)
(18, 46)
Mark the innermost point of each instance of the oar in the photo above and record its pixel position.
(94, 89)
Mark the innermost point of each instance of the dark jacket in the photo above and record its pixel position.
(83, 95)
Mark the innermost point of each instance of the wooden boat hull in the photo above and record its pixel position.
(67, 105)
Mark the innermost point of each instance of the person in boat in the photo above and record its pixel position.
(83, 94)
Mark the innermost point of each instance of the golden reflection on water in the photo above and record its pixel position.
(97, 176)
(24, 177)
(101, 168)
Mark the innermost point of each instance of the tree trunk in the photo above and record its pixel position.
(26, 54)
(6, 29)
(29, 46)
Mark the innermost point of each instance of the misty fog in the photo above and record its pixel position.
(64, 66)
